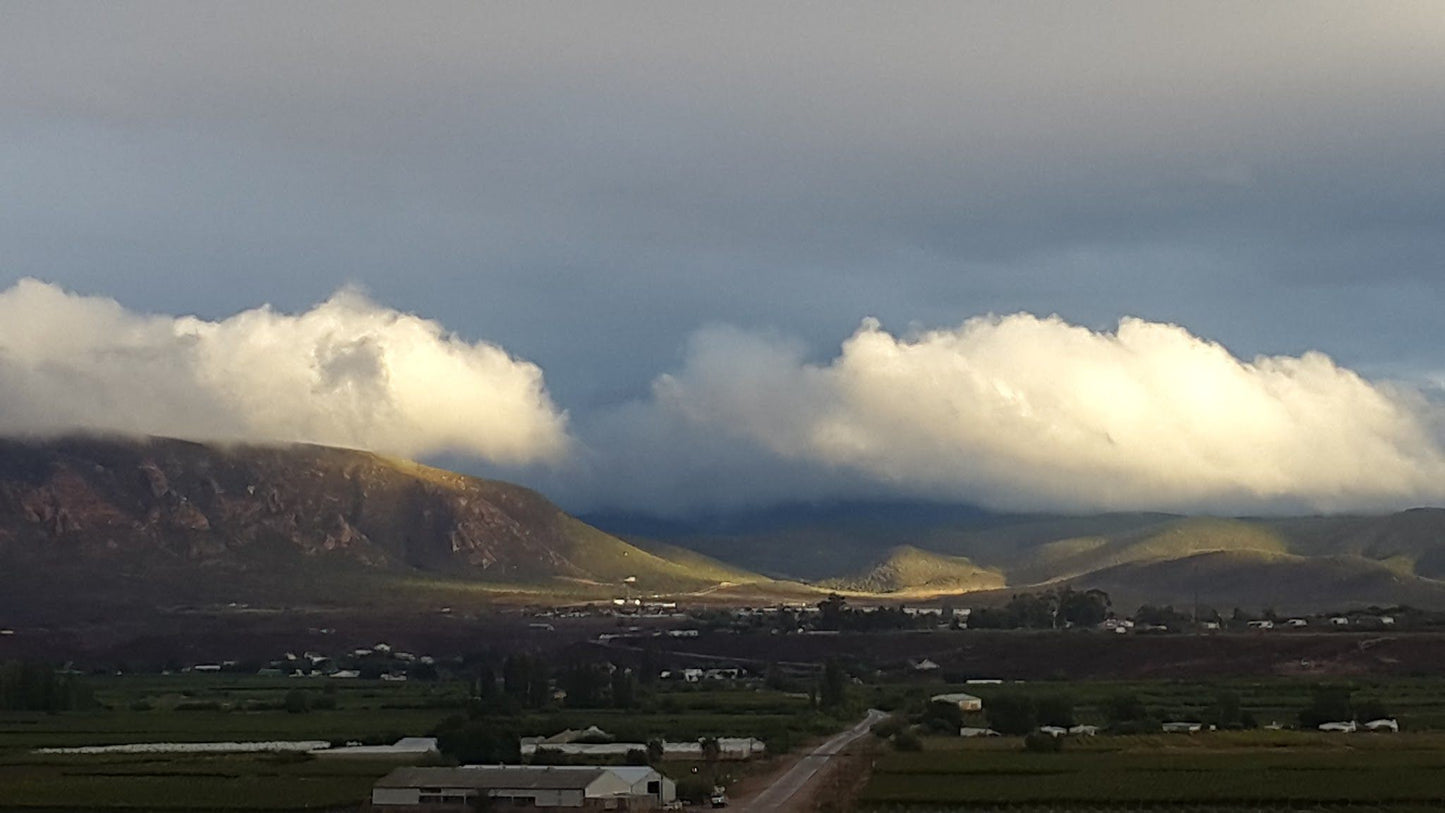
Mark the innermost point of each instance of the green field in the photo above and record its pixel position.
(1220, 770)
(1228, 770)
(1418, 703)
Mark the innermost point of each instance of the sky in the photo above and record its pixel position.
(677, 257)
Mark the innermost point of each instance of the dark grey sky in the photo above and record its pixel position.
(590, 185)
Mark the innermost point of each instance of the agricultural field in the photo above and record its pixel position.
(1243, 769)
(1218, 770)
(194, 708)
(1417, 702)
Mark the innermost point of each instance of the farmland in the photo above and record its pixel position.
(1210, 770)
(1244, 770)
(194, 708)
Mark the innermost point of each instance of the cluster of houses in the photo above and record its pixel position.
(380, 661)
(636, 607)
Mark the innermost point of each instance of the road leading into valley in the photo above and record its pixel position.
(777, 795)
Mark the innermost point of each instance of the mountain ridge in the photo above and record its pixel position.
(131, 507)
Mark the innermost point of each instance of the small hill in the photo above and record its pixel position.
(1177, 539)
(907, 569)
(1409, 541)
(1289, 583)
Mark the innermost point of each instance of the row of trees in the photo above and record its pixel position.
(835, 614)
(26, 686)
(1053, 609)
(529, 681)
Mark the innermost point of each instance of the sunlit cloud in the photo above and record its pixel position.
(1026, 412)
(347, 372)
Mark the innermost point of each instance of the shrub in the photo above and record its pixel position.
(297, 702)
(1056, 709)
(884, 729)
(906, 740)
(1041, 743)
(1012, 713)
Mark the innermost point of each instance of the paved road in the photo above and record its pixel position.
(776, 795)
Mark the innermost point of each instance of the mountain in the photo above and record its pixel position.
(174, 518)
(909, 570)
(1255, 579)
(1313, 562)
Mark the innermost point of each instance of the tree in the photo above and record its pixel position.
(1056, 710)
(941, 715)
(297, 702)
(1086, 609)
(1225, 711)
(1041, 743)
(835, 683)
(1035, 611)
(1328, 704)
(655, 751)
(831, 610)
(1124, 707)
(711, 751)
(524, 677)
(477, 741)
(624, 689)
(28, 686)
(583, 684)
(1371, 709)
(906, 740)
(1012, 713)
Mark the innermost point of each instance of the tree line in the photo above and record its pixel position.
(28, 686)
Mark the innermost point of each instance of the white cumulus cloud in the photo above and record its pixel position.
(347, 372)
(1026, 412)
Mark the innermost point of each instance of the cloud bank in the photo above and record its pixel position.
(1023, 412)
(347, 373)
(1010, 412)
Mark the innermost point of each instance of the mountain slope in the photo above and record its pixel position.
(1255, 579)
(156, 506)
(1178, 539)
(1318, 561)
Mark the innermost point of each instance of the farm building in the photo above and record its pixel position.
(729, 748)
(965, 702)
(542, 788)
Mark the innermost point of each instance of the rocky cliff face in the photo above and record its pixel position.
(134, 503)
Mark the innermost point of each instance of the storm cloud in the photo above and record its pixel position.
(591, 187)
